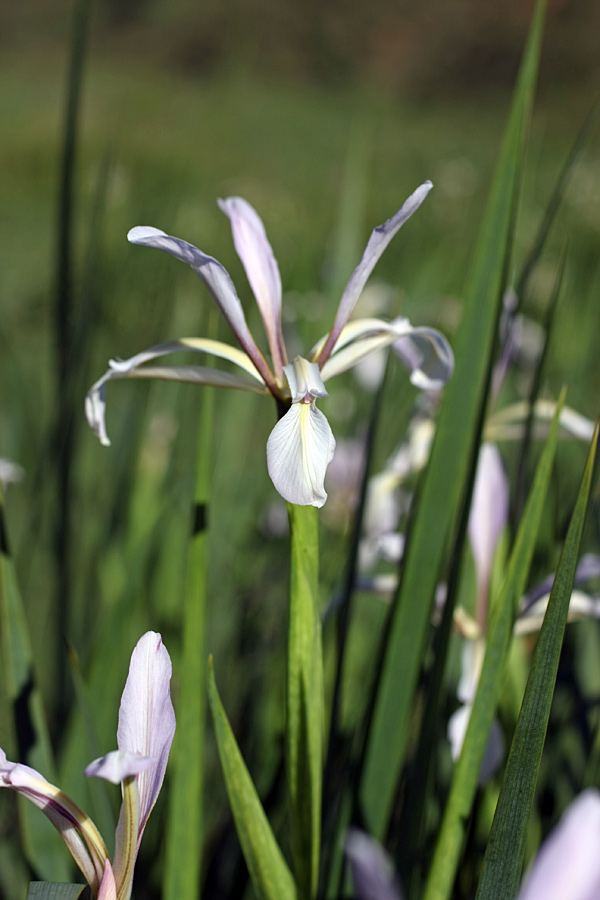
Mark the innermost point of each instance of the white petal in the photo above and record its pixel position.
(378, 241)
(568, 864)
(304, 378)
(299, 449)
(428, 356)
(256, 254)
(118, 765)
(372, 870)
(489, 513)
(217, 280)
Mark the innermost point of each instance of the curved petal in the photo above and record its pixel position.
(425, 351)
(79, 833)
(95, 401)
(304, 379)
(568, 864)
(108, 888)
(509, 423)
(299, 449)
(255, 251)
(378, 241)
(118, 765)
(147, 717)
(217, 280)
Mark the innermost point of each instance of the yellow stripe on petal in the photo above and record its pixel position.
(299, 449)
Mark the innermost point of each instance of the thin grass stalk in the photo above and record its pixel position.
(305, 702)
(184, 838)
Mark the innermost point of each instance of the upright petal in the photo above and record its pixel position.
(217, 280)
(255, 251)
(488, 515)
(372, 870)
(108, 888)
(299, 449)
(378, 241)
(568, 864)
(147, 717)
(304, 379)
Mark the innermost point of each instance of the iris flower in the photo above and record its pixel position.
(301, 445)
(144, 737)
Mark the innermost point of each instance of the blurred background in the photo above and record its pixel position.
(325, 116)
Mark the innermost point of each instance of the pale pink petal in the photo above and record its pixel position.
(108, 888)
(299, 449)
(489, 513)
(147, 717)
(568, 865)
(217, 280)
(256, 254)
(378, 241)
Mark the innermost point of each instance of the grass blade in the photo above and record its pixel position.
(305, 704)
(502, 614)
(269, 872)
(503, 860)
(452, 462)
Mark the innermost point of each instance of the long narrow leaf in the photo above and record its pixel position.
(305, 705)
(502, 614)
(269, 872)
(506, 846)
(447, 475)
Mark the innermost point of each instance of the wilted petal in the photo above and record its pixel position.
(299, 449)
(256, 254)
(146, 716)
(217, 280)
(378, 241)
(372, 870)
(75, 828)
(568, 864)
(489, 513)
(118, 765)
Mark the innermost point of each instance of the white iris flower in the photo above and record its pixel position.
(301, 445)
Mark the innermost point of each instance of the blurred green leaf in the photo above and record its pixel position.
(43, 846)
(451, 465)
(305, 706)
(502, 613)
(184, 836)
(504, 855)
(269, 872)
(53, 890)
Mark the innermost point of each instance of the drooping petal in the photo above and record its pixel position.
(425, 352)
(118, 765)
(568, 864)
(95, 401)
(488, 515)
(371, 868)
(217, 280)
(299, 449)
(147, 717)
(378, 241)
(79, 833)
(304, 379)
(255, 251)
(509, 423)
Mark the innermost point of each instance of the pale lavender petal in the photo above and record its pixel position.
(258, 259)
(588, 568)
(489, 513)
(304, 379)
(428, 356)
(118, 765)
(372, 870)
(108, 888)
(378, 241)
(217, 280)
(299, 449)
(568, 864)
(146, 716)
